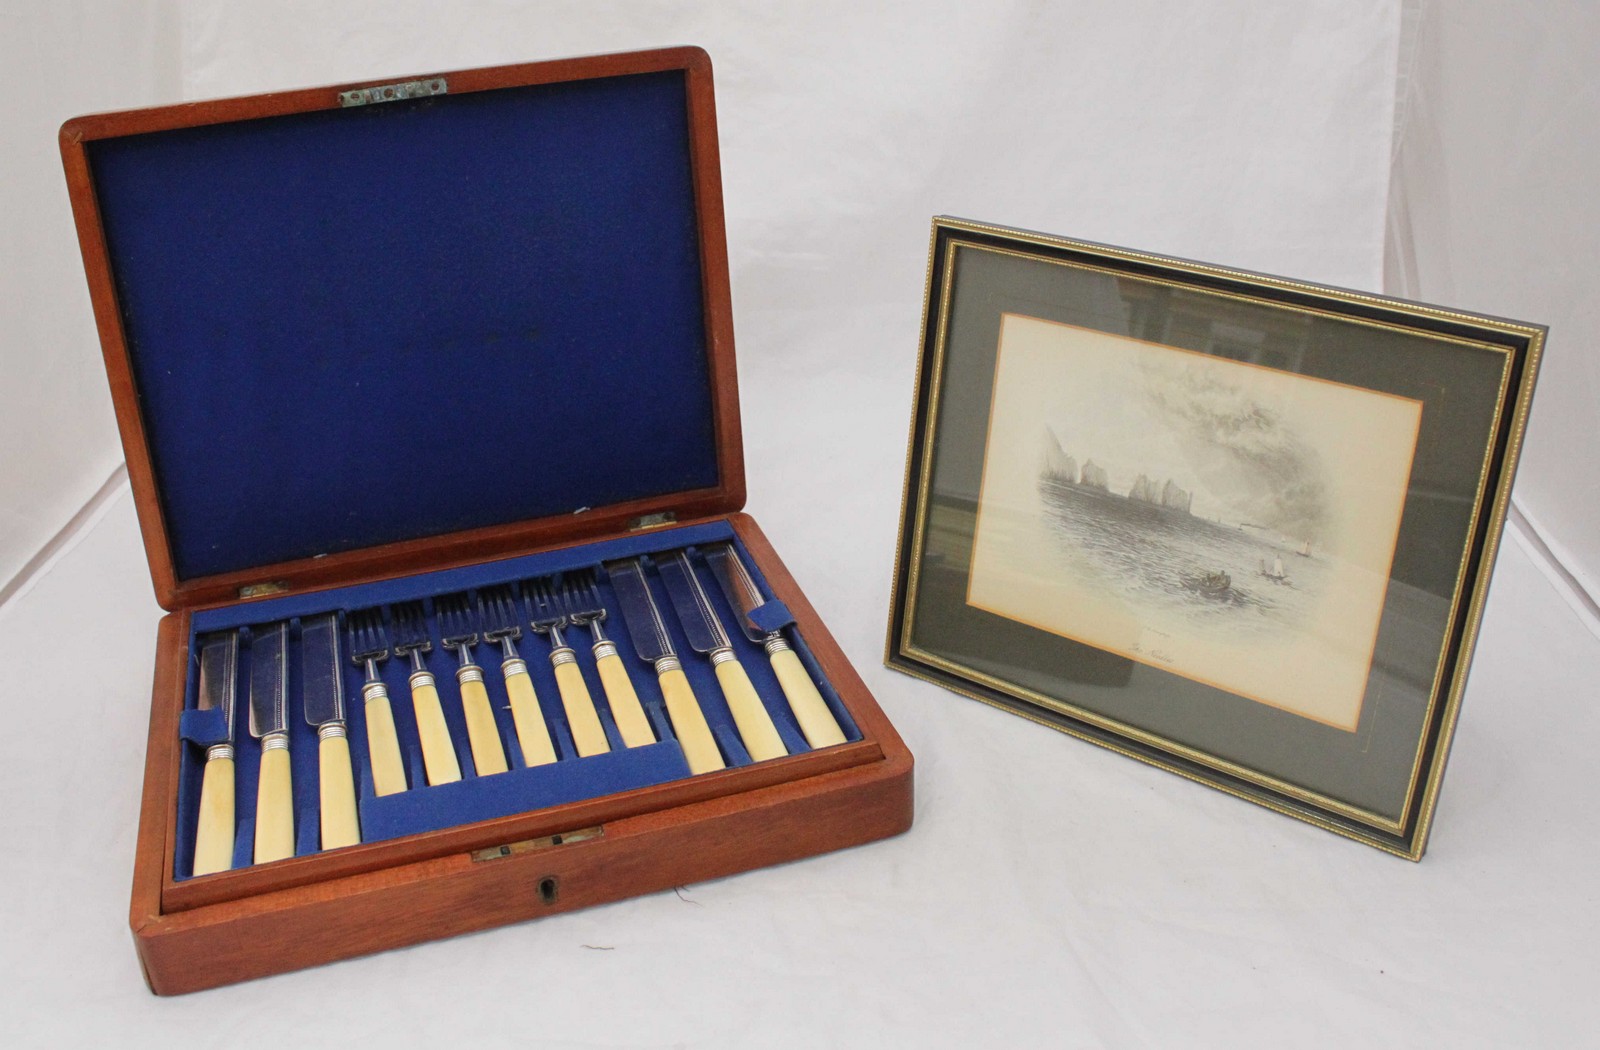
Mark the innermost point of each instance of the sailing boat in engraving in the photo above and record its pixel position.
(1163, 504)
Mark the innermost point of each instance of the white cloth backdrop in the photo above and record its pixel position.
(1495, 210)
(1050, 893)
(58, 440)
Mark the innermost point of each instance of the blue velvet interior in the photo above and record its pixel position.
(522, 789)
(356, 326)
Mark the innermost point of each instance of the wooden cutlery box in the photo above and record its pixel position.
(457, 345)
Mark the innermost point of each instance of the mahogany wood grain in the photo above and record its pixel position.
(445, 896)
(304, 911)
(178, 923)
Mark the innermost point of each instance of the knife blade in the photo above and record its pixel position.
(269, 723)
(821, 729)
(219, 673)
(322, 689)
(704, 631)
(650, 640)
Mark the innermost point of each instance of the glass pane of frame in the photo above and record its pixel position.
(1235, 522)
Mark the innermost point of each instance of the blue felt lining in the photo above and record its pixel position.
(352, 327)
(570, 779)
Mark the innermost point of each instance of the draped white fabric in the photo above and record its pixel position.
(1050, 893)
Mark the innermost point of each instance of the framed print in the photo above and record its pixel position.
(1236, 526)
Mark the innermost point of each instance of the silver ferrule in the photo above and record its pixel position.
(374, 691)
(776, 643)
(469, 673)
(604, 648)
(219, 751)
(668, 663)
(561, 656)
(420, 678)
(275, 742)
(513, 665)
(722, 656)
(331, 731)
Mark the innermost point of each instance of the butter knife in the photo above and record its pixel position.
(705, 634)
(810, 710)
(219, 672)
(650, 641)
(269, 723)
(322, 683)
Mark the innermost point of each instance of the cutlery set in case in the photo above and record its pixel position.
(428, 398)
(314, 773)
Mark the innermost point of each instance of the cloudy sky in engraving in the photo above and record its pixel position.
(1241, 446)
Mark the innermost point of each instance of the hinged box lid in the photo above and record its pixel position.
(381, 327)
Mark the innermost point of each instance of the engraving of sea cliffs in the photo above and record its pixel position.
(1173, 570)
(1059, 465)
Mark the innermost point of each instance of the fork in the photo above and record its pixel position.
(458, 628)
(547, 618)
(580, 600)
(411, 639)
(369, 646)
(497, 609)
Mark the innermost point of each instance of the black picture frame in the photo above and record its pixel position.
(1462, 383)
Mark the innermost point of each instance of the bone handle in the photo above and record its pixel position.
(438, 754)
(383, 743)
(810, 710)
(274, 804)
(760, 736)
(487, 754)
(338, 789)
(533, 736)
(626, 710)
(581, 716)
(689, 723)
(213, 838)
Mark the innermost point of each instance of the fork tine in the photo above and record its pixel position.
(580, 596)
(497, 608)
(457, 624)
(410, 626)
(540, 600)
(367, 637)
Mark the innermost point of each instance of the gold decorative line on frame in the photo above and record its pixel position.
(1466, 638)
(911, 446)
(935, 384)
(1434, 690)
(1152, 760)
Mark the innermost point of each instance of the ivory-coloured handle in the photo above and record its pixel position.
(274, 807)
(438, 754)
(810, 710)
(533, 736)
(383, 746)
(760, 736)
(581, 716)
(689, 723)
(487, 753)
(626, 710)
(213, 837)
(338, 788)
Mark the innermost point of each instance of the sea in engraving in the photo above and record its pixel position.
(1211, 575)
(1229, 521)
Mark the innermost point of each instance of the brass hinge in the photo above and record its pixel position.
(511, 849)
(393, 92)
(652, 521)
(261, 590)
